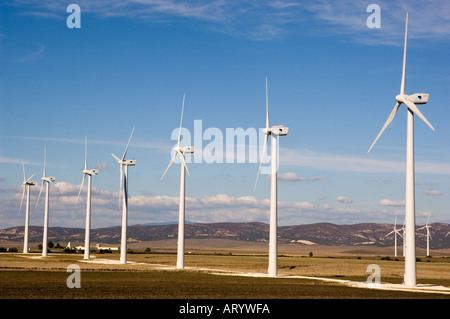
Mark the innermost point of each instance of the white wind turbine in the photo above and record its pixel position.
(48, 180)
(26, 185)
(403, 239)
(410, 101)
(427, 226)
(181, 213)
(274, 131)
(396, 232)
(89, 173)
(124, 176)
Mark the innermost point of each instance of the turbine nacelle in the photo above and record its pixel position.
(279, 130)
(184, 149)
(129, 162)
(29, 183)
(124, 162)
(48, 179)
(90, 171)
(187, 149)
(416, 98)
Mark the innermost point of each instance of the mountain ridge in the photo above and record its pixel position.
(324, 233)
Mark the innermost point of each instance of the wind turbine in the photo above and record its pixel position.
(410, 101)
(274, 131)
(124, 163)
(395, 232)
(48, 180)
(428, 234)
(89, 173)
(181, 151)
(26, 185)
(403, 239)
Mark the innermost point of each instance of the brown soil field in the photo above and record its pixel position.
(153, 275)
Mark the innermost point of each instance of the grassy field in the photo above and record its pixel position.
(152, 276)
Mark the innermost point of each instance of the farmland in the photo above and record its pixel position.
(229, 270)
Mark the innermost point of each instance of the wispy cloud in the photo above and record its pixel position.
(39, 53)
(433, 192)
(151, 144)
(390, 202)
(292, 177)
(271, 19)
(348, 163)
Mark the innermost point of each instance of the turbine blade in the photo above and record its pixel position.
(388, 121)
(23, 168)
(260, 162)
(40, 191)
(267, 106)
(184, 163)
(118, 159)
(402, 86)
(181, 121)
(389, 233)
(428, 219)
(30, 178)
(82, 182)
(415, 110)
(21, 201)
(170, 163)
(126, 149)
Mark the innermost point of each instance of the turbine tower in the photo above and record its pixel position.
(395, 232)
(428, 234)
(274, 131)
(26, 185)
(181, 213)
(89, 173)
(410, 101)
(124, 176)
(48, 180)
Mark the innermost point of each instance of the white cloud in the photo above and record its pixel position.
(292, 177)
(103, 165)
(390, 202)
(433, 192)
(345, 200)
(152, 209)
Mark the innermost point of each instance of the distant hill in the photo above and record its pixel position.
(310, 234)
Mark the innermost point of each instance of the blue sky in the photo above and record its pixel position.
(332, 81)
